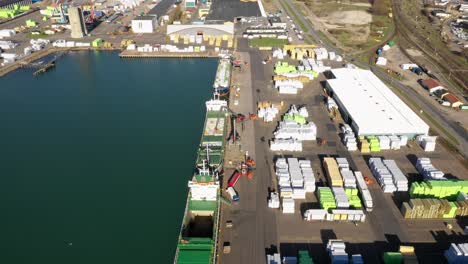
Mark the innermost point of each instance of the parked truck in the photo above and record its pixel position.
(233, 194)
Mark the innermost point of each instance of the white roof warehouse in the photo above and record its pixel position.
(371, 107)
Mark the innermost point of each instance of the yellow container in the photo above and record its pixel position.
(344, 217)
(336, 216)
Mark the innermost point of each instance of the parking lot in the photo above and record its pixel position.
(227, 10)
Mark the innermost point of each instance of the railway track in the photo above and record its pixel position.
(439, 60)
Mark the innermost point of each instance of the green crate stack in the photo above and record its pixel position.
(373, 143)
(284, 67)
(448, 189)
(326, 197)
(353, 197)
(304, 257)
(393, 258)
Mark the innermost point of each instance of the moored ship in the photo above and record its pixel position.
(223, 77)
(198, 234)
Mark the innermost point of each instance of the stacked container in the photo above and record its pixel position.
(428, 171)
(382, 174)
(399, 179)
(326, 198)
(340, 197)
(288, 206)
(333, 173)
(365, 193)
(457, 253)
(337, 251)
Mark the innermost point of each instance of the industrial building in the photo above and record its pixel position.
(226, 29)
(276, 22)
(144, 24)
(370, 107)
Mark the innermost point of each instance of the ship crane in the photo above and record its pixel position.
(235, 118)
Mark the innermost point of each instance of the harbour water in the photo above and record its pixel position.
(95, 156)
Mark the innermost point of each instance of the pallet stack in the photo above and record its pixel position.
(333, 173)
(326, 198)
(457, 253)
(365, 193)
(353, 198)
(337, 251)
(430, 208)
(428, 171)
(349, 139)
(449, 189)
(341, 198)
(399, 179)
(382, 174)
(308, 174)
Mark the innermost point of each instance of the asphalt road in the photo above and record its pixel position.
(450, 125)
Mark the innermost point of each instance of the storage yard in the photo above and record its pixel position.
(323, 162)
(298, 218)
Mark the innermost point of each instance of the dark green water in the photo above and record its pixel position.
(97, 153)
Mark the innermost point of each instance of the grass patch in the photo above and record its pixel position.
(37, 36)
(325, 39)
(294, 15)
(309, 39)
(267, 42)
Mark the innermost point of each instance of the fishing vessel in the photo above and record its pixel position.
(223, 77)
(198, 233)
